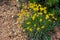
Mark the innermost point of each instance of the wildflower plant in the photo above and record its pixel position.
(38, 21)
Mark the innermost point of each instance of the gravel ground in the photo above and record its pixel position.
(8, 26)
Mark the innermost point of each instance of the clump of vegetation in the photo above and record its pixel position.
(39, 18)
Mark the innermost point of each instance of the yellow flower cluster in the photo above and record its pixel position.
(33, 8)
(37, 7)
(53, 16)
(23, 13)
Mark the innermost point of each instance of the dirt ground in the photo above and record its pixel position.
(8, 26)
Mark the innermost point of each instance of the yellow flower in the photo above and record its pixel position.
(27, 15)
(55, 18)
(24, 6)
(34, 25)
(30, 5)
(35, 5)
(35, 9)
(23, 11)
(43, 27)
(51, 14)
(40, 13)
(39, 5)
(18, 14)
(41, 9)
(28, 22)
(45, 11)
(38, 29)
(18, 19)
(41, 20)
(33, 17)
(44, 8)
(30, 29)
(49, 20)
(47, 16)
